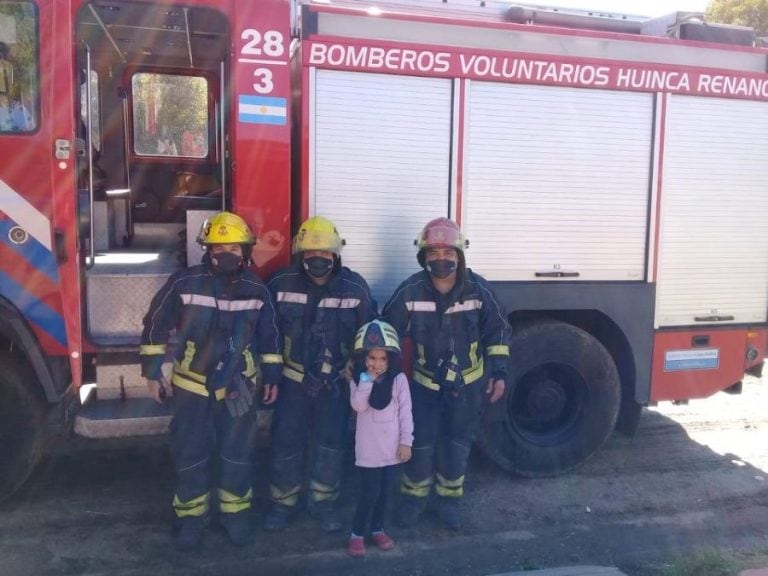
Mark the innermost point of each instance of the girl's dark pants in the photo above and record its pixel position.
(376, 485)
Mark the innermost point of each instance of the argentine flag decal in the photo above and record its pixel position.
(262, 110)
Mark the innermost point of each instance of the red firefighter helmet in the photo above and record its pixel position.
(440, 233)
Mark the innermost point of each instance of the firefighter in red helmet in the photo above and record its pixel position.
(459, 331)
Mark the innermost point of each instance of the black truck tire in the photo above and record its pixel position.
(22, 425)
(562, 403)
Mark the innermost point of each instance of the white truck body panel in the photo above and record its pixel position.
(557, 179)
(381, 166)
(618, 164)
(713, 247)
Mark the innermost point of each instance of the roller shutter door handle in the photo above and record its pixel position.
(556, 274)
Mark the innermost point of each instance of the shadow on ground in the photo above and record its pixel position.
(96, 508)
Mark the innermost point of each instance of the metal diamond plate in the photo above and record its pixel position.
(117, 304)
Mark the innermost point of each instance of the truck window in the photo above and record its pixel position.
(95, 108)
(19, 76)
(170, 115)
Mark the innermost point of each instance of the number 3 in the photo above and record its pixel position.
(264, 77)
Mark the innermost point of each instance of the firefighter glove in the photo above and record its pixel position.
(239, 397)
(448, 373)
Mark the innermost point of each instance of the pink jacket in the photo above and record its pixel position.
(380, 432)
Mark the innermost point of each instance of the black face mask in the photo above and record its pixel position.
(226, 262)
(318, 266)
(441, 268)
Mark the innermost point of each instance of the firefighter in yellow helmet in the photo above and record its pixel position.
(459, 331)
(321, 304)
(228, 346)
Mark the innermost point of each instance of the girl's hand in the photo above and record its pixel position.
(404, 453)
(369, 376)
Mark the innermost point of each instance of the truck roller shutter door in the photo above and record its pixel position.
(381, 167)
(713, 243)
(557, 180)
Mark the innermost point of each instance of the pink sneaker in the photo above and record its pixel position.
(356, 547)
(383, 541)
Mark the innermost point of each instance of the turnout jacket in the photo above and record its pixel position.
(319, 323)
(467, 328)
(214, 316)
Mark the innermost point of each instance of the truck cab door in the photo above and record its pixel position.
(58, 146)
(39, 275)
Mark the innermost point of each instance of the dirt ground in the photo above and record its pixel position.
(694, 478)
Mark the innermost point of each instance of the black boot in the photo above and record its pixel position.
(328, 516)
(448, 510)
(277, 518)
(410, 511)
(189, 533)
(238, 527)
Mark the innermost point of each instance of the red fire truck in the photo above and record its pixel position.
(610, 172)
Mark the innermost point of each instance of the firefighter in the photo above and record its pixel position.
(459, 333)
(321, 305)
(225, 320)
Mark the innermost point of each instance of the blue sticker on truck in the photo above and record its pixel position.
(700, 359)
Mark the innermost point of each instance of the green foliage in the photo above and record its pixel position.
(165, 107)
(708, 562)
(752, 13)
(23, 52)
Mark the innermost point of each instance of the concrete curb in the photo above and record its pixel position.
(569, 571)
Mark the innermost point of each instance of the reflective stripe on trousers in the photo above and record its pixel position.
(445, 427)
(327, 416)
(201, 425)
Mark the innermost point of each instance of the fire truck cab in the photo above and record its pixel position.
(609, 171)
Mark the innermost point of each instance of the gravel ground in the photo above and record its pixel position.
(695, 477)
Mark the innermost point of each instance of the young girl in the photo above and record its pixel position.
(384, 434)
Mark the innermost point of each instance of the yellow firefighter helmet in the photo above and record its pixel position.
(225, 228)
(317, 233)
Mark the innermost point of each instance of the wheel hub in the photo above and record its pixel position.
(547, 401)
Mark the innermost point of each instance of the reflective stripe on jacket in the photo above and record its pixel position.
(206, 310)
(468, 326)
(319, 321)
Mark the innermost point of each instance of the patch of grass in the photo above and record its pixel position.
(709, 562)
(704, 563)
(527, 565)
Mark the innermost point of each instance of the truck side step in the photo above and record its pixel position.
(120, 287)
(124, 381)
(115, 418)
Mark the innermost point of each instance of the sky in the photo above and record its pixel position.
(638, 7)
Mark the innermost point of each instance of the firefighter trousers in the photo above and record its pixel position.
(202, 430)
(445, 426)
(322, 423)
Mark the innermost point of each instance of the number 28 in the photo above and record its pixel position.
(270, 43)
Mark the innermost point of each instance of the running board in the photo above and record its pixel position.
(115, 418)
(123, 381)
